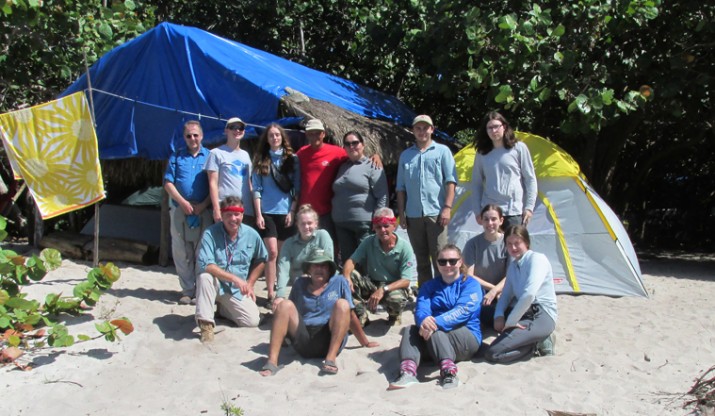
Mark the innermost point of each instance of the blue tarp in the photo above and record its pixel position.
(145, 89)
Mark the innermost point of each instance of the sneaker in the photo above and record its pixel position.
(547, 346)
(405, 380)
(394, 320)
(193, 301)
(207, 331)
(185, 300)
(449, 381)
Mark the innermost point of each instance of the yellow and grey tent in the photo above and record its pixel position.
(588, 248)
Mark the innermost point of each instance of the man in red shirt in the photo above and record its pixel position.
(319, 163)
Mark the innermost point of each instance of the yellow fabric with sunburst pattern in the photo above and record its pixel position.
(53, 147)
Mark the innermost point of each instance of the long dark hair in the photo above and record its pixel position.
(262, 159)
(482, 141)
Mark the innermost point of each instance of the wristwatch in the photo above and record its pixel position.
(386, 289)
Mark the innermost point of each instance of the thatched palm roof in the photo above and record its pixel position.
(383, 137)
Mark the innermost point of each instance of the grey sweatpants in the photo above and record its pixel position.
(457, 345)
(515, 343)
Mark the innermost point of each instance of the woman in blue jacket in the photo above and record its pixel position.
(446, 322)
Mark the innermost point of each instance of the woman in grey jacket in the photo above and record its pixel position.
(503, 172)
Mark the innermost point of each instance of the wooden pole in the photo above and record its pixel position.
(95, 248)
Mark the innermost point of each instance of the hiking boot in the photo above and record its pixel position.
(207, 331)
(449, 380)
(547, 346)
(394, 320)
(405, 380)
(185, 300)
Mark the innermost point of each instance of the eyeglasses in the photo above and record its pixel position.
(494, 127)
(188, 136)
(237, 127)
(351, 144)
(443, 262)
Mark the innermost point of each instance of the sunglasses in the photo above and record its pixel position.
(443, 262)
(352, 144)
(188, 136)
(237, 127)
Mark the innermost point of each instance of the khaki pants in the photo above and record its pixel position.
(242, 312)
(184, 244)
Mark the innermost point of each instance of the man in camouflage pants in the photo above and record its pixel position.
(389, 268)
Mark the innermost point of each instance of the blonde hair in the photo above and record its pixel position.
(306, 209)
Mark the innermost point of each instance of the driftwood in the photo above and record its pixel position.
(70, 244)
(116, 249)
(703, 394)
(79, 246)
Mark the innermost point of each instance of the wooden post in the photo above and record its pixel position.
(95, 248)
(38, 230)
(165, 239)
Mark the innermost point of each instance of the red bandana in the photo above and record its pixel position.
(384, 220)
(233, 208)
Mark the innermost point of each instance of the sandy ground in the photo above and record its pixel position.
(615, 356)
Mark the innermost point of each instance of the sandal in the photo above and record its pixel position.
(269, 302)
(269, 369)
(329, 367)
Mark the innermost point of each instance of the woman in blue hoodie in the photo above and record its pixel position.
(446, 322)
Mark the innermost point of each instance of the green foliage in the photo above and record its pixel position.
(44, 43)
(625, 86)
(28, 324)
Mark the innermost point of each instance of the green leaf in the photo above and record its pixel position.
(4, 296)
(534, 83)
(3, 223)
(558, 57)
(559, 31)
(105, 30)
(130, 5)
(103, 327)
(544, 94)
(61, 341)
(81, 290)
(13, 340)
(111, 272)
(583, 104)
(507, 22)
(505, 94)
(83, 337)
(22, 304)
(4, 321)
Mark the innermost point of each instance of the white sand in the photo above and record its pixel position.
(615, 356)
